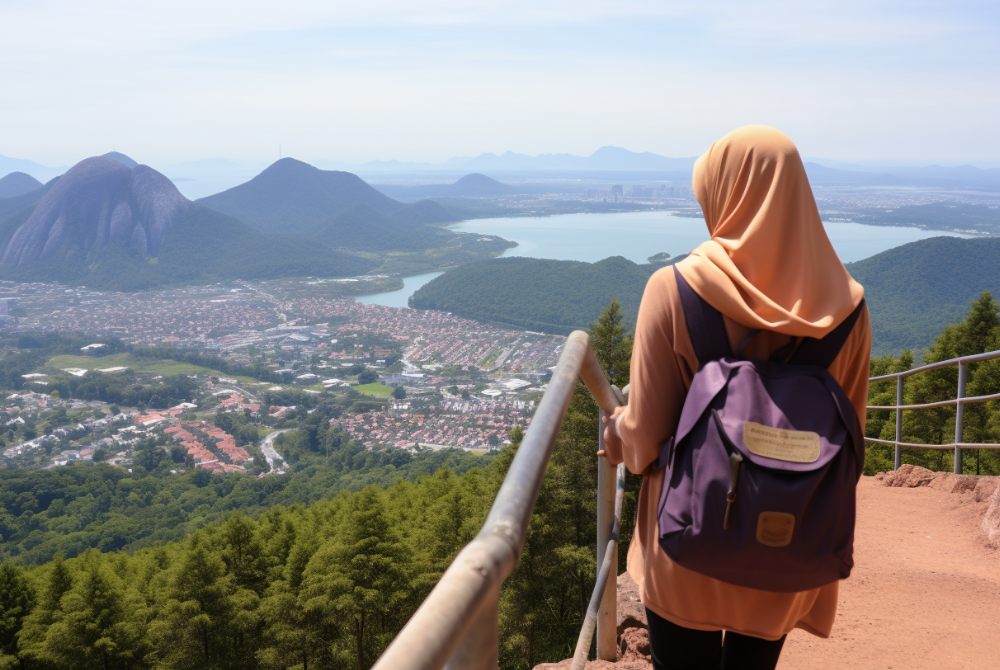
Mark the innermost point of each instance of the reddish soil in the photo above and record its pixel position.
(925, 592)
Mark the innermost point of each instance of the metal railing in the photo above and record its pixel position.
(959, 403)
(456, 627)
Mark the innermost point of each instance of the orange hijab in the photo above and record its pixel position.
(769, 264)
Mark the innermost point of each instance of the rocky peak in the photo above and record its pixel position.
(99, 202)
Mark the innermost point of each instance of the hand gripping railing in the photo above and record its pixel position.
(457, 625)
(959, 402)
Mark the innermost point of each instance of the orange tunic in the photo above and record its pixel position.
(663, 364)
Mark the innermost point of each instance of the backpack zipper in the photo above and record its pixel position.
(735, 461)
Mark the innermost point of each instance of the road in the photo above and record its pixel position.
(267, 448)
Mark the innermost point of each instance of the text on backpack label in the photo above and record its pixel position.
(794, 446)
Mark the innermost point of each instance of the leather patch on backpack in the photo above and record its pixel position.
(794, 446)
(774, 529)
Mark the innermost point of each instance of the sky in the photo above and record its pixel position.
(425, 81)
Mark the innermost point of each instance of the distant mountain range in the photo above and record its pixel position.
(471, 185)
(38, 171)
(113, 226)
(113, 223)
(605, 159)
(913, 291)
(203, 177)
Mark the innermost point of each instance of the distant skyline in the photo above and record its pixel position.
(389, 80)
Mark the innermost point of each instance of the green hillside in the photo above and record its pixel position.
(537, 294)
(917, 289)
(913, 291)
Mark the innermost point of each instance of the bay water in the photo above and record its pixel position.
(637, 236)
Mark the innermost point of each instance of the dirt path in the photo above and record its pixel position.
(925, 592)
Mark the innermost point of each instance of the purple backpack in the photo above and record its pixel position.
(759, 489)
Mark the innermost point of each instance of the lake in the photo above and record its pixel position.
(637, 236)
(399, 298)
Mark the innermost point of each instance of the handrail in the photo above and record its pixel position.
(608, 561)
(959, 402)
(965, 360)
(456, 625)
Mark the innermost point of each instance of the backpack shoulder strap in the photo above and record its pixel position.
(823, 352)
(704, 324)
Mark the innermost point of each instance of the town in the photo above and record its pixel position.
(407, 379)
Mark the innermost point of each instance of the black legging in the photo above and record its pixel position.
(677, 648)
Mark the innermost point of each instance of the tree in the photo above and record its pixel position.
(611, 344)
(399, 392)
(99, 624)
(16, 601)
(979, 332)
(363, 574)
(190, 632)
(367, 376)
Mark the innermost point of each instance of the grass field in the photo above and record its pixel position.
(376, 390)
(144, 365)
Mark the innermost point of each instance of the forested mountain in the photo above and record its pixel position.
(915, 290)
(537, 294)
(129, 228)
(294, 196)
(18, 183)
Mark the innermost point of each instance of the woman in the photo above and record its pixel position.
(769, 266)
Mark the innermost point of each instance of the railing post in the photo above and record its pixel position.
(959, 412)
(480, 646)
(899, 421)
(607, 615)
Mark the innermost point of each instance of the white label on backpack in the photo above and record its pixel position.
(794, 446)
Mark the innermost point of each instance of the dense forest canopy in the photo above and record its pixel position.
(537, 294)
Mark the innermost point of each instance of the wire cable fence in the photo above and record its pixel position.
(959, 403)
(457, 625)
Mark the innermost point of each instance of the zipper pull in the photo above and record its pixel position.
(735, 460)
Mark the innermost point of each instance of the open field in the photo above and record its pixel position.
(144, 365)
(376, 390)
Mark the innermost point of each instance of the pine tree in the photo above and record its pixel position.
(16, 601)
(100, 624)
(364, 575)
(611, 344)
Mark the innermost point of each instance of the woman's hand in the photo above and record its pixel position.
(612, 440)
